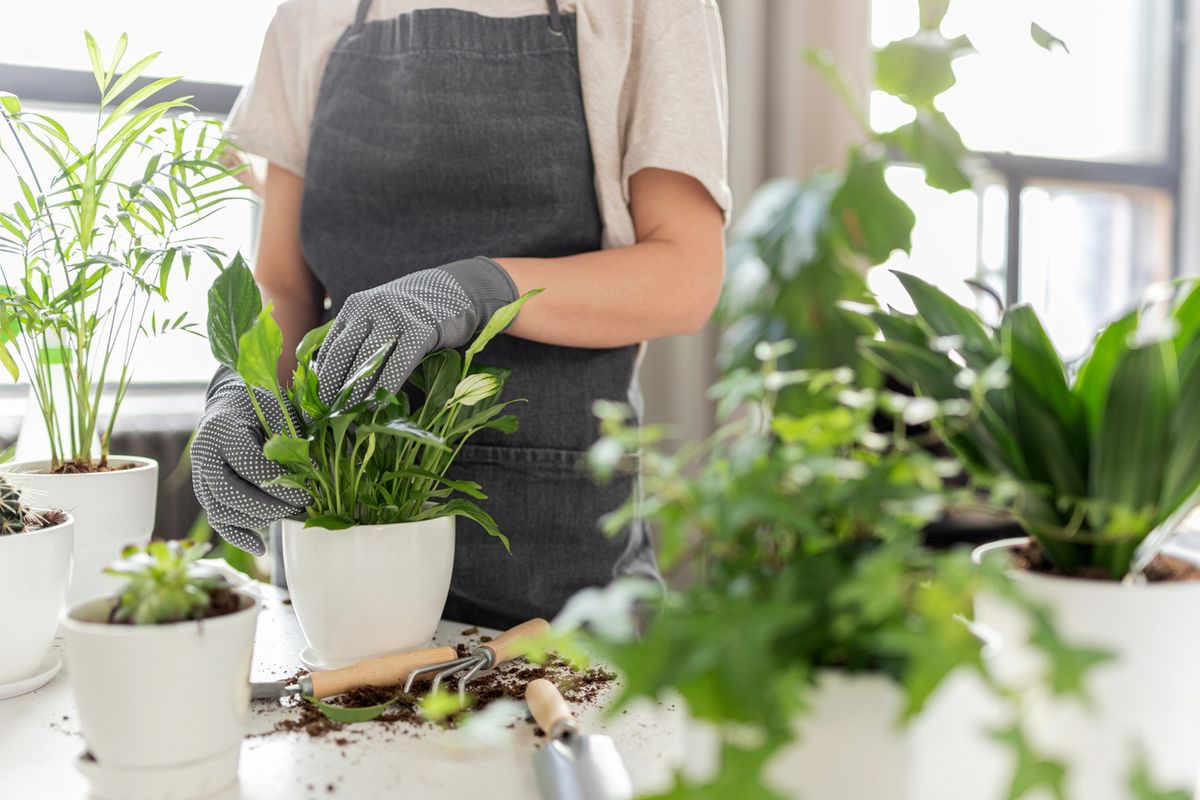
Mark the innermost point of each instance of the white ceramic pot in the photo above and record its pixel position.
(165, 702)
(368, 590)
(1144, 699)
(111, 510)
(35, 568)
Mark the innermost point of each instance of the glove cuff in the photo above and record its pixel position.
(486, 285)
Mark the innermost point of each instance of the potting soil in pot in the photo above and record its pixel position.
(505, 682)
(1162, 569)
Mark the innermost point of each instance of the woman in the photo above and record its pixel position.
(427, 165)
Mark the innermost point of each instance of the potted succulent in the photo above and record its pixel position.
(35, 568)
(87, 258)
(815, 625)
(176, 629)
(1099, 460)
(369, 563)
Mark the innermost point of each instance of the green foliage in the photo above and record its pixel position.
(1099, 458)
(380, 461)
(802, 536)
(88, 252)
(164, 583)
(1143, 787)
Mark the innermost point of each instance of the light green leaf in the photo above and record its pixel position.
(10, 103)
(474, 388)
(920, 68)
(259, 351)
(286, 449)
(932, 142)
(1046, 40)
(93, 50)
(311, 341)
(496, 325)
(137, 97)
(874, 221)
(333, 522)
(349, 716)
(9, 363)
(127, 78)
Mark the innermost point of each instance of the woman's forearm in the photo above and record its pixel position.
(665, 285)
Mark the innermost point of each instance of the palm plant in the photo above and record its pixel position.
(1101, 459)
(87, 252)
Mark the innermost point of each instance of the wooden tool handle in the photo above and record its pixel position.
(548, 707)
(504, 646)
(382, 671)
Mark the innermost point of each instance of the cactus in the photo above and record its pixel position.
(14, 517)
(165, 584)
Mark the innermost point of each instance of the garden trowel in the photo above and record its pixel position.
(571, 766)
(383, 671)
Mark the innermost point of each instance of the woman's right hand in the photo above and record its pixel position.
(229, 471)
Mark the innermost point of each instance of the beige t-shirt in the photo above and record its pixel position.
(652, 74)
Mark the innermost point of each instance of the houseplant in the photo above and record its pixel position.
(176, 632)
(35, 568)
(88, 258)
(1099, 460)
(369, 564)
(812, 601)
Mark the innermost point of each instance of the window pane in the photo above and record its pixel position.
(175, 356)
(217, 42)
(1088, 254)
(1105, 100)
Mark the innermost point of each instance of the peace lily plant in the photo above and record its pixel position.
(382, 502)
(101, 234)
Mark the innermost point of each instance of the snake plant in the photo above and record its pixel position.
(1101, 458)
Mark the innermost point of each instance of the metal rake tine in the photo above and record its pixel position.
(451, 665)
(452, 668)
(479, 664)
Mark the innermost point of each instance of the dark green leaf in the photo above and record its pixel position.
(1092, 382)
(933, 143)
(234, 303)
(459, 507)
(947, 317)
(874, 221)
(349, 716)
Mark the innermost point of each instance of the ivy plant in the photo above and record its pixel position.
(99, 235)
(1101, 459)
(801, 534)
(380, 461)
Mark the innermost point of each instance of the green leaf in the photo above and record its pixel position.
(333, 522)
(874, 221)
(135, 98)
(10, 103)
(459, 507)
(500, 320)
(469, 488)
(1046, 40)
(350, 716)
(1143, 787)
(405, 429)
(920, 68)
(947, 317)
(286, 449)
(1031, 772)
(9, 362)
(259, 351)
(932, 141)
(932, 13)
(1096, 373)
(311, 341)
(1133, 440)
(474, 388)
(439, 704)
(234, 304)
(127, 78)
(369, 369)
(93, 51)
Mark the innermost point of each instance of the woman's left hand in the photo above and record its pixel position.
(417, 314)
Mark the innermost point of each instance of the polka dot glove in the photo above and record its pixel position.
(421, 312)
(229, 471)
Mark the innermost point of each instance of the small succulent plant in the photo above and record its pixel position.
(165, 584)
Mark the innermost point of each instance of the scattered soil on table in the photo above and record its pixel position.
(222, 601)
(506, 682)
(80, 468)
(1162, 569)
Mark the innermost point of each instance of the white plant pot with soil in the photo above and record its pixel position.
(162, 707)
(368, 590)
(1144, 701)
(111, 509)
(35, 569)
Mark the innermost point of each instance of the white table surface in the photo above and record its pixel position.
(40, 740)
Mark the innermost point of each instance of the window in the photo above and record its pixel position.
(1077, 209)
(215, 49)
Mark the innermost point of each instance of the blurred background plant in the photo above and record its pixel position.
(165, 583)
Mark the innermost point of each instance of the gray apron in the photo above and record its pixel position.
(442, 134)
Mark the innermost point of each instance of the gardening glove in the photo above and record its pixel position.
(421, 312)
(229, 470)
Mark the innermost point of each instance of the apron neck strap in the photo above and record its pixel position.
(555, 17)
(360, 17)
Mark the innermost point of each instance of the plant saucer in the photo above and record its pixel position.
(312, 663)
(46, 671)
(180, 782)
